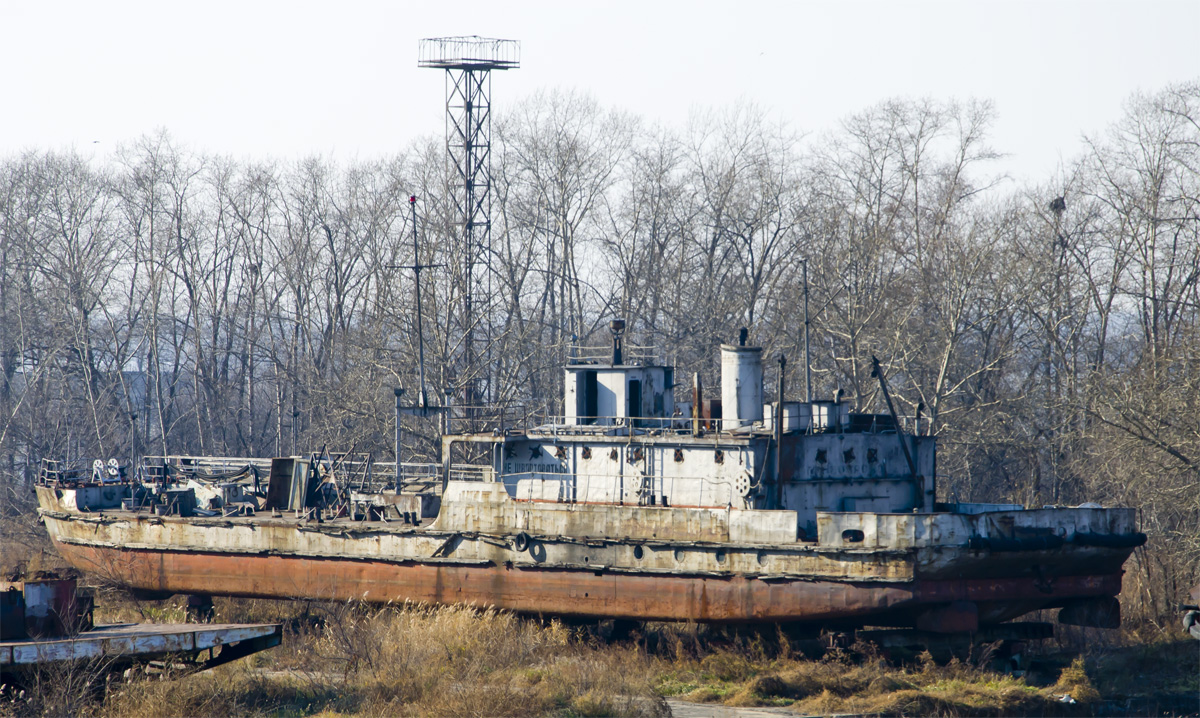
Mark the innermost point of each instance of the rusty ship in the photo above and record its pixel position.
(635, 504)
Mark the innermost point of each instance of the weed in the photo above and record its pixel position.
(1074, 682)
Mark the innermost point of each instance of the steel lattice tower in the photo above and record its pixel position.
(468, 62)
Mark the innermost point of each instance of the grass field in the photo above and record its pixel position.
(355, 659)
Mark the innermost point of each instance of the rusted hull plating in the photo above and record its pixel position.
(587, 593)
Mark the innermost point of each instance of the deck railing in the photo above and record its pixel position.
(630, 489)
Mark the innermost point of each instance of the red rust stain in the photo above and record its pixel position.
(553, 591)
(1017, 588)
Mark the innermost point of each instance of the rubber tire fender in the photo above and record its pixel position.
(520, 542)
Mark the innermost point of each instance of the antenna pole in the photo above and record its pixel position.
(416, 266)
(399, 392)
(807, 363)
(779, 436)
(422, 399)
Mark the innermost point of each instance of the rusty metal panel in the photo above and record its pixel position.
(50, 607)
(589, 592)
(611, 561)
(153, 643)
(126, 640)
(211, 636)
(542, 590)
(51, 651)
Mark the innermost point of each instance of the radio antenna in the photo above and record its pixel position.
(416, 266)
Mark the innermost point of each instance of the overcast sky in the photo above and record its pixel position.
(258, 79)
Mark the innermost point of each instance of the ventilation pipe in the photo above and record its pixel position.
(617, 327)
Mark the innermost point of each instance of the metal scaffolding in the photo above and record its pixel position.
(468, 62)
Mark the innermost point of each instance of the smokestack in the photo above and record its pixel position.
(741, 384)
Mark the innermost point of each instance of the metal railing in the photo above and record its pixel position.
(562, 424)
(482, 418)
(469, 51)
(206, 464)
(630, 354)
(713, 492)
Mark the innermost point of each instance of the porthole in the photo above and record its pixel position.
(678, 554)
(720, 557)
(852, 535)
(638, 552)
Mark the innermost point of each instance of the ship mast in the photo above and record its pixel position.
(416, 266)
(422, 407)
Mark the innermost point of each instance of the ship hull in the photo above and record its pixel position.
(942, 571)
(570, 592)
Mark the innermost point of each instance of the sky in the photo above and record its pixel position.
(287, 80)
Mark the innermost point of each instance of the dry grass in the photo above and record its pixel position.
(58, 690)
(875, 687)
(411, 661)
(1158, 676)
(841, 684)
(26, 549)
(355, 659)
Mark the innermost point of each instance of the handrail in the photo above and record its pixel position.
(578, 487)
(602, 355)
